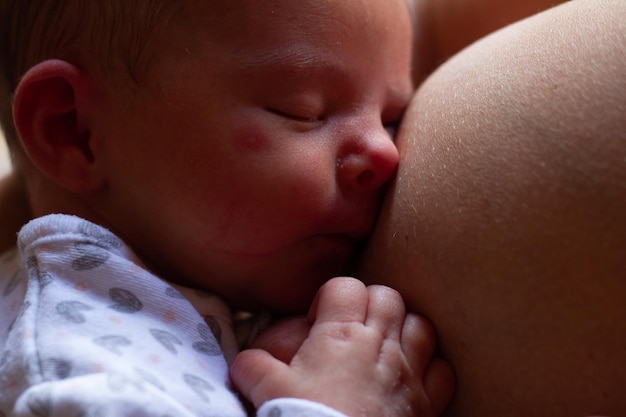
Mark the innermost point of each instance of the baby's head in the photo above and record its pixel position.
(113, 37)
(236, 145)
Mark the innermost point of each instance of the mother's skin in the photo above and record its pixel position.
(507, 223)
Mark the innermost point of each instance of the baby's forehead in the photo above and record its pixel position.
(247, 19)
(246, 24)
(267, 13)
(302, 34)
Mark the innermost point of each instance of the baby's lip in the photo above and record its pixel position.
(360, 235)
(355, 235)
(355, 226)
(364, 230)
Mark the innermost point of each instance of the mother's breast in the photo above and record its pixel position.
(506, 224)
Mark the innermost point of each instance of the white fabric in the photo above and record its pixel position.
(86, 330)
(295, 407)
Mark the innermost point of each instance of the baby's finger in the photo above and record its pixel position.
(283, 338)
(251, 373)
(418, 342)
(340, 299)
(439, 383)
(385, 311)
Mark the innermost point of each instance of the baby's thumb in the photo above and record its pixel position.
(255, 373)
(283, 339)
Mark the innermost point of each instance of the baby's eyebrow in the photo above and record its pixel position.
(315, 65)
(290, 59)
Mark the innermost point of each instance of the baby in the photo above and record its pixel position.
(177, 152)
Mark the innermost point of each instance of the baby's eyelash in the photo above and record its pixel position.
(294, 116)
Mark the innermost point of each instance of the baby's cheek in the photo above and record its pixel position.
(252, 139)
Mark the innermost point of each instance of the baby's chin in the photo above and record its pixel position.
(285, 284)
(292, 296)
(279, 300)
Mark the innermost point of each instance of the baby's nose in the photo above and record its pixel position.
(369, 162)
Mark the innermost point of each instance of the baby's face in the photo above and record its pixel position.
(255, 164)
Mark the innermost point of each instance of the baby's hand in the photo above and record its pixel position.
(363, 356)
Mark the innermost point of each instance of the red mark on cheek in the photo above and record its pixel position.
(252, 139)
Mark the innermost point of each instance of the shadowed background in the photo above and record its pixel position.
(5, 165)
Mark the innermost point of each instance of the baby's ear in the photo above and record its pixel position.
(51, 109)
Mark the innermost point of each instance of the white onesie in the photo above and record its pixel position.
(87, 330)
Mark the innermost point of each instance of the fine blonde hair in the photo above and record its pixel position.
(108, 36)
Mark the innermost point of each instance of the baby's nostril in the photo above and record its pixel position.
(365, 178)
